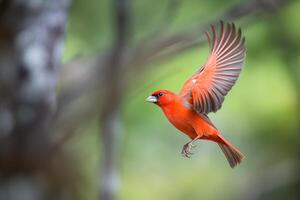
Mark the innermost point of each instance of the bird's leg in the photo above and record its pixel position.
(187, 148)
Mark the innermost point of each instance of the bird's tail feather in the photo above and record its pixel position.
(233, 155)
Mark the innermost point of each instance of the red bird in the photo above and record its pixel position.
(204, 92)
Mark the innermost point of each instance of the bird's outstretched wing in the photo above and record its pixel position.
(206, 89)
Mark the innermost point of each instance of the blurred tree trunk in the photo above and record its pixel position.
(31, 41)
(113, 87)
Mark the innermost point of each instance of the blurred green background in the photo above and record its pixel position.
(260, 115)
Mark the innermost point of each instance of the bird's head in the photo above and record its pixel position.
(161, 97)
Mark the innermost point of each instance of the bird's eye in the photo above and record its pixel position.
(160, 94)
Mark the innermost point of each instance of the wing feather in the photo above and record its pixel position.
(206, 89)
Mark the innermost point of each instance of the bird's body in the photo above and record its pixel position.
(187, 120)
(204, 92)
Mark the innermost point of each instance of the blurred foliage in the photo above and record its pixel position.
(260, 115)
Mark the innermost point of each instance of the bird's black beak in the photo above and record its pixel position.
(152, 99)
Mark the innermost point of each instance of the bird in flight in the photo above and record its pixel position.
(205, 91)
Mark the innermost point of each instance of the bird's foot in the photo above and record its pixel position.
(187, 149)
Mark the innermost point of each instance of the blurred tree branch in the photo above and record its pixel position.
(110, 122)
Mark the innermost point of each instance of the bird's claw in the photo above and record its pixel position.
(187, 149)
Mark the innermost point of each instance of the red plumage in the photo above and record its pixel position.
(204, 92)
